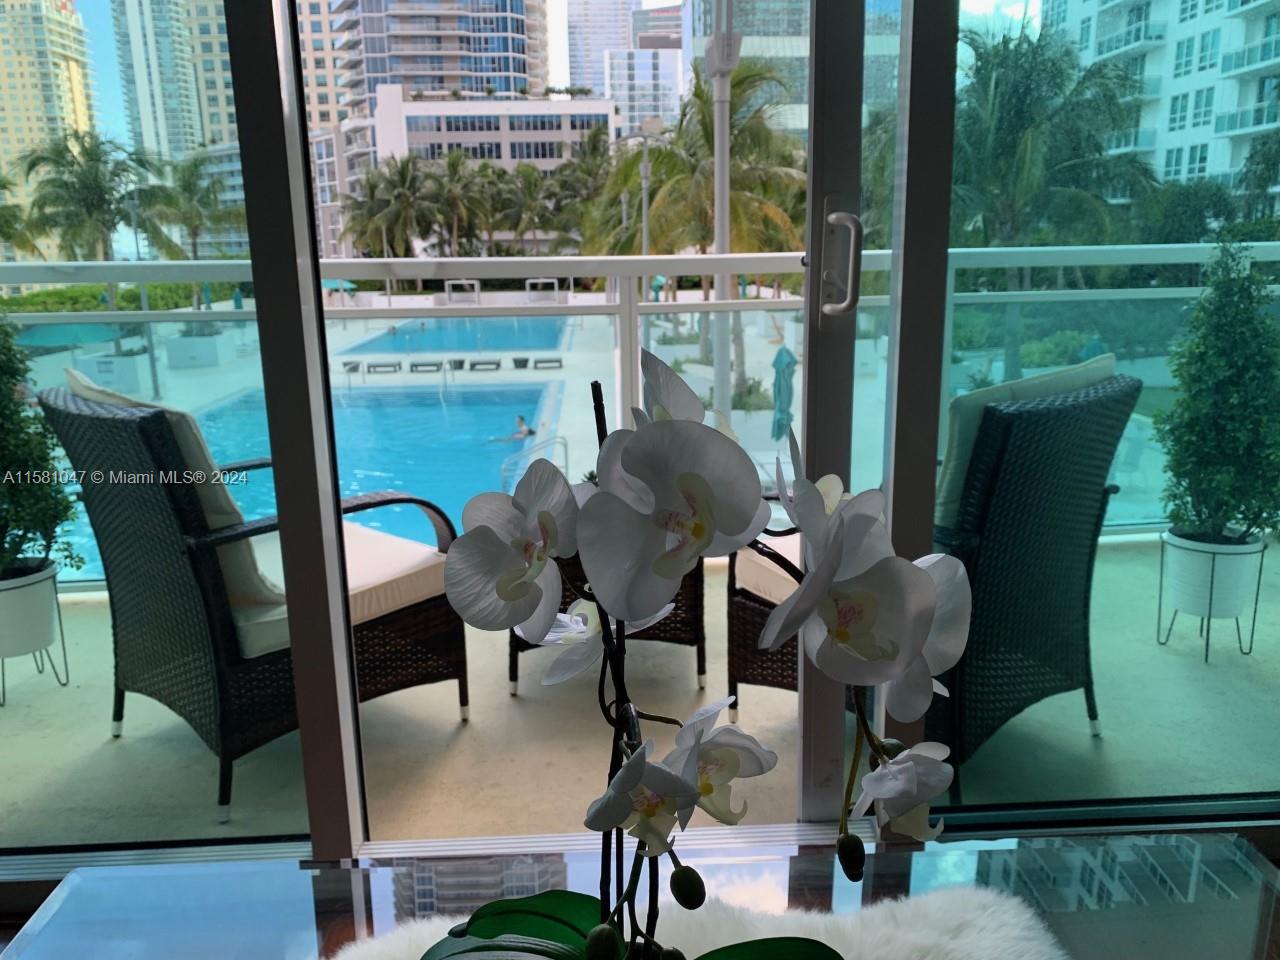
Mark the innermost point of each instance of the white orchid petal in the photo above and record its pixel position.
(754, 759)
(566, 629)
(904, 598)
(797, 461)
(786, 619)
(669, 784)
(497, 511)
(474, 565)
(930, 749)
(831, 488)
(550, 589)
(907, 698)
(574, 661)
(866, 538)
(617, 546)
(614, 479)
(662, 453)
(703, 719)
(663, 387)
(635, 626)
(915, 824)
(940, 690)
(950, 631)
(689, 774)
(811, 513)
(723, 545)
(612, 808)
(544, 489)
(784, 495)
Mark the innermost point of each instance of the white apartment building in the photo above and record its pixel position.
(504, 132)
(1208, 72)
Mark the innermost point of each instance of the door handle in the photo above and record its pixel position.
(840, 218)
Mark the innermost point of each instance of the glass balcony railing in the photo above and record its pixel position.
(1251, 7)
(1256, 55)
(1247, 119)
(1130, 140)
(1132, 36)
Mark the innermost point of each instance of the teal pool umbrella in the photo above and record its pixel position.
(784, 391)
(67, 334)
(346, 286)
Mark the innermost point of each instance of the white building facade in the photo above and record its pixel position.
(1207, 72)
(504, 132)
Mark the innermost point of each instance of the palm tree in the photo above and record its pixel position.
(766, 177)
(1031, 159)
(84, 186)
(191, 201)
(492, 186)
(14, 229)
(525, 202)
(458, 196)
(576, 185)
(362, 214)
(408, 203)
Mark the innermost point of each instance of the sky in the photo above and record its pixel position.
(113, 122)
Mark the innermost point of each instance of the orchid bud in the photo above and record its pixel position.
(852, 854)
(603, 943)
(892, 748)
(687, 887)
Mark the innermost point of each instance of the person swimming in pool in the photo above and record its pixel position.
(523, 429)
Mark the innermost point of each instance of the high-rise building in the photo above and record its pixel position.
(153, 44)
(643, 84)
(211, 62)
(777, 33)
(49, 92)
(656, 27)
(441, 48)
(1206, 72)
(594, 27)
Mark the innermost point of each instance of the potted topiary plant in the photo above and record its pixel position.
(1222, 442)
(33, 504)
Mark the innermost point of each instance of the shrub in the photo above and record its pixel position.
(1222, 434)
(33, 504)
(1056, 350)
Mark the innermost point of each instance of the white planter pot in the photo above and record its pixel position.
(29, 612)
(186, 353)
(1232, 568)
(122, 374)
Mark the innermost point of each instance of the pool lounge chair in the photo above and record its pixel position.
(548, 363)
(485, 365)
(196, 623)
(425, 366)
(383, 366)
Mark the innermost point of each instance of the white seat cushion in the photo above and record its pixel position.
(385, 573)
(765, 579)
(244, 581)
(965, 418)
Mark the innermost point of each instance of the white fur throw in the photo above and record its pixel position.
(959, 923)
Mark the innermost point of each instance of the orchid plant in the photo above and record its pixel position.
(667, 494)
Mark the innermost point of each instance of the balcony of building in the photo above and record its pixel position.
(1254, 60)
(1130, 141)
(1251, 8)
(1145, 88)
(1132, 39)
(1247, 121)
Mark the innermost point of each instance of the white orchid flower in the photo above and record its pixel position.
(581, 633)
(902, 788)
(720, 755)
(646, 799)
(908, 697)
(670, 492)
(502, 572)
(666, 395)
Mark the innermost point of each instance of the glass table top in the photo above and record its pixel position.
(1169, 896)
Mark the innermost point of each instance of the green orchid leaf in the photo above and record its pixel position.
(507, 947)
(774, 948)
(557, 915)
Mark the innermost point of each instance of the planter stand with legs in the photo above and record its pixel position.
(1206, 621)
(30, 623)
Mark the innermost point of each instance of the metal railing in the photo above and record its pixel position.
(1131, 36)
(1261, 54)
(1248, 119)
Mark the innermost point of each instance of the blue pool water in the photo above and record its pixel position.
(470, 334)
(406, 439)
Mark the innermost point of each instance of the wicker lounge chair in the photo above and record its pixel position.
(684, 626)
(195, 623)
(1033, 500)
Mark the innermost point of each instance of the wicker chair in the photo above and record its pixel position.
(175, 633)
(684, 626)
(1034, 499)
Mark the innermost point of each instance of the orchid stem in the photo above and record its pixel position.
(848, 786)
(860, 711)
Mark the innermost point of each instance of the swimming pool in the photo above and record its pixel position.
(413, 440)
(466, 334)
